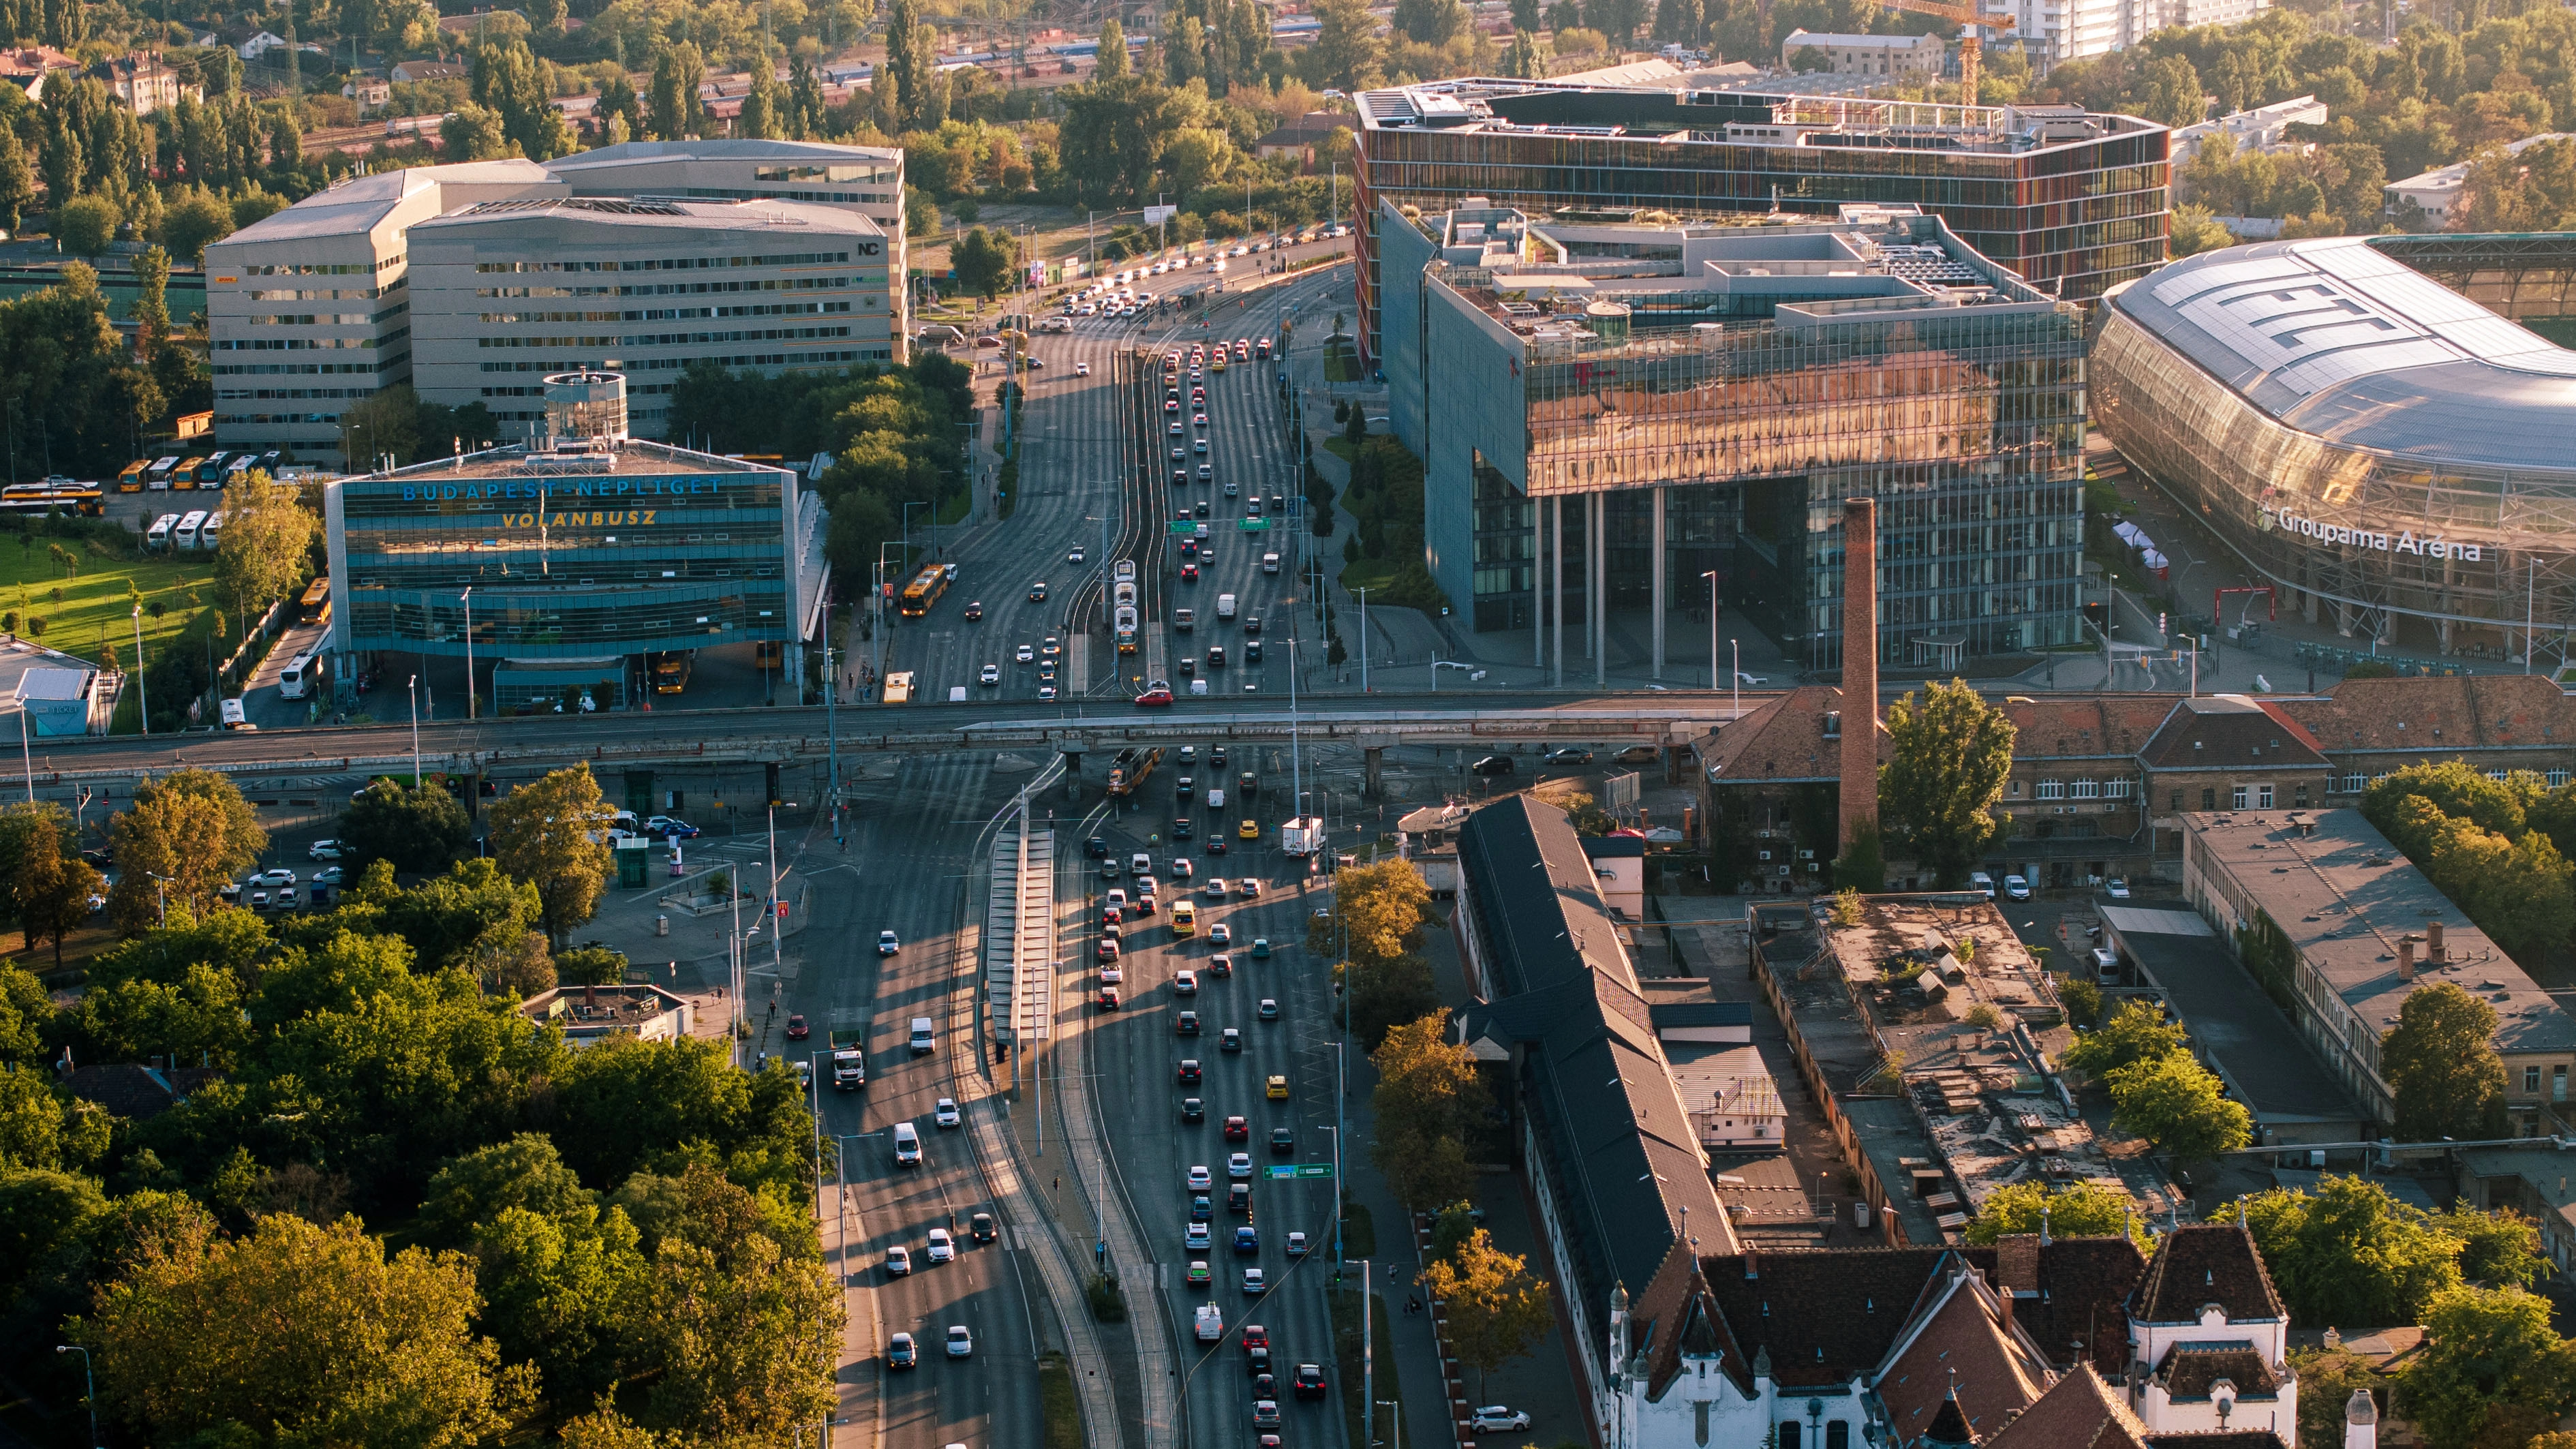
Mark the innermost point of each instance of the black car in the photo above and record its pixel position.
(1186, 1024)
(1310, 1381)
(1216, 758)
(1278, 502)
(1183, 788)
(1180, 476)
(1238, 1197)
(1181, 828)
(1283, 1142)
(1493, 765)
(1252, 624)
(1037, 593)
(1216, 656)
(1230, 1039)
(1256, 1360)
(1096, 847)
(1252, 651)
(1202, 509)
(1188, 1072)
(980, 1227)
(1246, 785)
(1193, 1110)
(975, 612)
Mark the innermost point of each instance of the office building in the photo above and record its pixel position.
(2261, 128)
(2337, 926)
(1893, 56)
(286, 369)
(505, 293)
(864, 179)
(582, 544)
(1621, 409)
(309, 310)
(2363, 425)
(2072, 202)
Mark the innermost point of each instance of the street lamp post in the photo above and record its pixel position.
(88, 1378)
(1711, 576)
(410, 689)
(145, 685)
(1364, 650)
(468, 599)
(1397, 1419)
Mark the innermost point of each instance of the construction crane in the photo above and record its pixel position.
(1970, 48)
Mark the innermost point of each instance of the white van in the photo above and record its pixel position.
(924, 1040)
(1270, 563)
(1224, 607)
(907, 1145)
(1140, 864)
(1978, 880)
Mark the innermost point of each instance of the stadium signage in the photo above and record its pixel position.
(2403, 541)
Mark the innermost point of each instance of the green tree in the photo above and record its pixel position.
(1386, 994)
(465, 915)
(2172, 93)
(472, 132)
(1863, 864)
(151, 303)
(1431, 22)
(2327, 1379)
(42, 1213)
(30, 832)
(418, 830)
(2454, 789)
(268, 537)
(43, 1126)
(1427, 1095)
(1950, 755)
(2493, 1370)
(1525, 15)
(1497, 1309)
(552, 835)
(196, 1020)
(86, 224)
(191, 829)
(386, 424)
(504, 78)
(191, 220)
(2180, 1106)
(1379, 908)
(677, 112)
(1113, 51)
(986, 262)
(1346, 52)
(308, 1333)
(2086, 1210)
(2441, 1065)
(2347, 1252)
(1522, 60)
(26, 1011)
(1809, 58)
(17, 178)
(2135, 1033)
(1617, 19)
(2497, 1247)
(567, 1291)
(523, 1172)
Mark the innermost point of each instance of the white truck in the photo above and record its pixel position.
(849, 1059)
(1224, 608)
(1210, 1321)
(1302, 835)
(1216, 802)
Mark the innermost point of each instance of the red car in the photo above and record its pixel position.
(1156, 694)
(1236, 1129)
(797, 1030)
(1255, 1336)
(1143, 905)
(1112, 916)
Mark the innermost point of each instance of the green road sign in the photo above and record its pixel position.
(1254, 525)
(1184, 529)
(1314, 1169)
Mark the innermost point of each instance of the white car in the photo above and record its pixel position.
(1046, 691)
(898, 1262)
(1185, 982)
(2117, 889)
(1111, 975)
(1083, 369)
(1239, 1166)
(1297, 1245)
(1074, 557)
(1181, 867)
(1249, 887)
(992, 674)
(1027, 654)
(1495, 1418)
(1194, 1238)
(2016, 887)
(887, 945)
(1216, 888)
(944, 1112)
(961, 1344)
(323, 850)
(1220, 934)
(1254, 1283)
(278, 877)
(943, 1248)
(1201, 1180)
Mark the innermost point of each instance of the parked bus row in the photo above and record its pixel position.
(194, 531)
(212, 470)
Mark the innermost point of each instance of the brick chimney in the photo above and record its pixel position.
(2434, 951)
(2405, 958)
(1860, 666)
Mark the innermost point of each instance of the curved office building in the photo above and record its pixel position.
(2364, 424)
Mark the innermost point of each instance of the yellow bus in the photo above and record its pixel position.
(184, 476)
(671, 670)
(316, 604)
(898, 689)
(131, 480)
(924, 591)
(1185, 919)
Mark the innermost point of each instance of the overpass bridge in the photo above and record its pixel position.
(524, 747)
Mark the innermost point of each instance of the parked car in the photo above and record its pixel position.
(1498, 1418)
(1492, 765)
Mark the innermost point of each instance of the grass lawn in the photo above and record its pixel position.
(1339, 447)
(1371, 574)
(1346, 1353)
(1063, 1409)
(94, 607)
(1359, 1231)
(1340, 363)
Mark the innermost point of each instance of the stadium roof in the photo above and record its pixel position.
(2339, 339)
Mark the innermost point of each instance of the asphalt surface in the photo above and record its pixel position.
(1131, 1059)
(915, 866)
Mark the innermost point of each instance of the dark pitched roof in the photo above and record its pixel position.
(1611, 847)
(2191, 1369)
(1782, 741)
(1624, 1157)
(2079, 1411)
(2079, 727)
(136, 1092)
(2227, 731)
(2203, 1263)
(2486, 711)
(2077, 1315)
(2217, 1439)
(1949, 1425)
(1961, 1347)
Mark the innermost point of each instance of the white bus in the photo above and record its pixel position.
(302, 675)
(157, 537)
(157, 477)
(210, 533)
(185, 535)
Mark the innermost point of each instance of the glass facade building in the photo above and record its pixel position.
(2074, 203)
(1707, 396)
(2386, 451)
(612, 548)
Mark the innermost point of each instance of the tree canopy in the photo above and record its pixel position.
(2346, 1251)
(1951, 754)
(2441, 1064)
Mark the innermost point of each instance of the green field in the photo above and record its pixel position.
(95, 608)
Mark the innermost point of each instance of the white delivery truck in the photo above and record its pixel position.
(1216, 802)
(1270, 563)
(1224, 608)
(1302, 835)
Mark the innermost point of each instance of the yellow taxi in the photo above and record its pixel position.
(1278, 1089)
(1251, 831)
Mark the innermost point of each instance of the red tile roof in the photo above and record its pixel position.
(2079, 1411)
(2487, 711)
(1782, 741)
